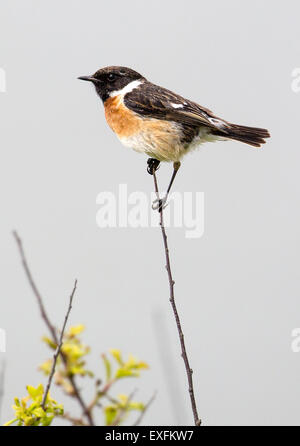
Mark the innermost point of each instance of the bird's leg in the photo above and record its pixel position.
(152, 165)
(176, 167)
(161, 203)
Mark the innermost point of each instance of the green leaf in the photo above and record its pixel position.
(28, 421)
(35, 394)
(8, 423)
(47, 420)
(39, 412)
(49, 342)
(122, 373)
(76, 330)
(136, 406)
(110, 414)
(46, 367)
(117, 355)
(107, 366)
(133, 363)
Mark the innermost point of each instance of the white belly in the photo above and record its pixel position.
(166, 146)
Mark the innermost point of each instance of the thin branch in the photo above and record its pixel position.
(51, 328)
(123, 411)
(59, 346)
(34, 288)
(189, 371)
(142, 414)
(73, 421)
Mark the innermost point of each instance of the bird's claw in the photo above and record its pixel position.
(152, 165)
(159, 204)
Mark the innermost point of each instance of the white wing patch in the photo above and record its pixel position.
(218, 123)
(176, 105)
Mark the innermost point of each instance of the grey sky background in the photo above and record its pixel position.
(237, 287)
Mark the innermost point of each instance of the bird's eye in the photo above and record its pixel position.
(111, 77)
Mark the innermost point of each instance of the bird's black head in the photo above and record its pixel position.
(110, 79)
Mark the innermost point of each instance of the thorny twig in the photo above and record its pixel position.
(189, 371)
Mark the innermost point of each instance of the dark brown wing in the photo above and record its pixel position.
(153, 101)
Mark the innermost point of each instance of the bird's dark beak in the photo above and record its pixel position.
(88, 78)
(92, 79)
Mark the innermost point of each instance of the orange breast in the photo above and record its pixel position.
(157, 138)
(121, 120)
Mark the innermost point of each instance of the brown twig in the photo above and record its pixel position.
(100, 393)
(59, 346)
(141, 416)
(51, 328)
(73, 421)
(189, 371)
(34, 288)
(123, 411)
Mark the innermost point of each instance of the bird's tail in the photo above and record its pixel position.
(249, 135)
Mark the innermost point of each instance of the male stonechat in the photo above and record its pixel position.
(163, 125)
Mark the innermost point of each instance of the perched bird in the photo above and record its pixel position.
(155, 121)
